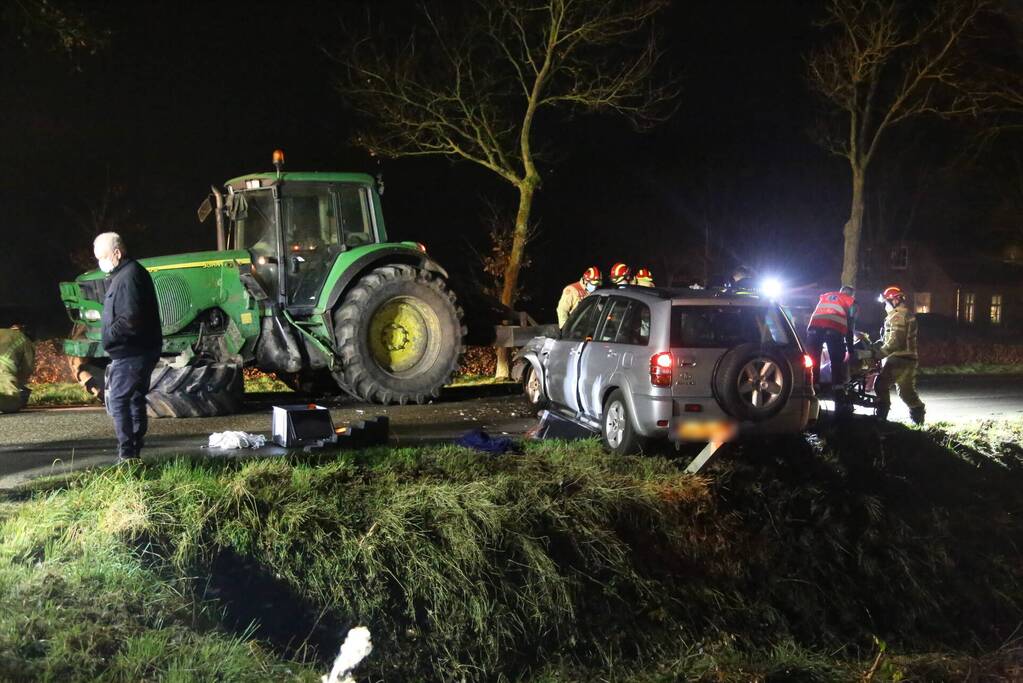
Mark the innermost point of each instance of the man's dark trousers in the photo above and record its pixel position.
(817, 339)
(127, 383)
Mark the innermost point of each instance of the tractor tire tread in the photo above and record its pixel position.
(353, 372)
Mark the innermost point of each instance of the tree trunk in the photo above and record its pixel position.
(853, 230)
(511, 271)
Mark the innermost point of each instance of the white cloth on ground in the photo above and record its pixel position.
(236, 440)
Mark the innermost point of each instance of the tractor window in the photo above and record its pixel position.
(310, 222)
(254, 221)
(312, 238)
(355, 215)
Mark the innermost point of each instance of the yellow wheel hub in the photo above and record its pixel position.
(403, 333)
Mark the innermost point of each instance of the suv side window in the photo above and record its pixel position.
(613, 317)
(635, 328)
(584, 319)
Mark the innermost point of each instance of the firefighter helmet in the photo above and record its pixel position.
(893, 293)
(592, 275)
(644, 278)
(620, 274)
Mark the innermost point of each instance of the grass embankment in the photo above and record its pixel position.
(560, 565)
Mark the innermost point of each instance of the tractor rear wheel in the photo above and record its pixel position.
(195, 390)
(399, 335)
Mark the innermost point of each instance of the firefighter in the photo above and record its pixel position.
(643, 278)
(832, 324)
(621, 274)
(576, 292)
(743, 281)
(17, 361)
(897, 348)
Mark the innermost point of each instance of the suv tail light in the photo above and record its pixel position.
(660, 369)
(808, 369)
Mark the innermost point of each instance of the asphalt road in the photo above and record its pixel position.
(51, 441)
(40, 442)
(958, 398)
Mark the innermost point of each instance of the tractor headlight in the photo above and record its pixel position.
(91, 314)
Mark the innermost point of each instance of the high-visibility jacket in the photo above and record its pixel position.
(570, 298)
(17, 361)
(835, 312)
(899, 335)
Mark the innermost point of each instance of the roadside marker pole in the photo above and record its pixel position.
(700, 460)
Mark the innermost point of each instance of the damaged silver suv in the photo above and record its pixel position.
(647, 363)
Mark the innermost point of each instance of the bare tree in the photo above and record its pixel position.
(58, 25)
(112, 209)
(474, 81)
(500, 238)
(884, 66)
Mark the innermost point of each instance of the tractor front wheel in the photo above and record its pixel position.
(202, 390)
(399, 335)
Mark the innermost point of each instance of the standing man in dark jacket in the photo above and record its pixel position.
(131, 337)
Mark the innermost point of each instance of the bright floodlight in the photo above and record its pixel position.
(772, 288)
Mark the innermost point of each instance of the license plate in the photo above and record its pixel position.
(706, 430)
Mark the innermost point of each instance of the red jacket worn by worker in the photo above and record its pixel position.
(834, 312)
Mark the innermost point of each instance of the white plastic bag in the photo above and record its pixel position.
(234, 440)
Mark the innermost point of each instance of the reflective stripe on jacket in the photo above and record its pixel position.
(570, 298)
(834, 312)
(899, 337)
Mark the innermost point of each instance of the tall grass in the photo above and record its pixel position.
(562, 562)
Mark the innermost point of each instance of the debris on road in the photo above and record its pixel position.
(236, 440)
(479, 440)
(554, 426)
(363, 433)
(301, 425)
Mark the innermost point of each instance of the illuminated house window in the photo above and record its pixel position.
(967, 306)
(922, 302)
(996, 309)
(900, 258)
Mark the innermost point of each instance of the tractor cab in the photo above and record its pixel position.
(295, 225)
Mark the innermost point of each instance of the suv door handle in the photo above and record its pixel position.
(687, 363)
(611, 353)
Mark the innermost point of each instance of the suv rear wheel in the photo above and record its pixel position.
(753, 382)
(619, 434)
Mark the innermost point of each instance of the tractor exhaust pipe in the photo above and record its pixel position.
(221, 235)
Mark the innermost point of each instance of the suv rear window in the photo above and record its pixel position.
(720, 327)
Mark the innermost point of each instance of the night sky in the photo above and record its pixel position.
(189, 94)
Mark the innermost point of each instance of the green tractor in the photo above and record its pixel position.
(303, 284)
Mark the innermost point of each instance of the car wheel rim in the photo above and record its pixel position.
(614, 425)
(761, 383)
(533, 387)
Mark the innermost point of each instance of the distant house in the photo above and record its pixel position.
(980, 292)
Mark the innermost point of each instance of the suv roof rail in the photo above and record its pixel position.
(686, 292)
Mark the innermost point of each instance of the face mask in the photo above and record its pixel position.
(107, 265)
(888, 307)
(591, 286)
